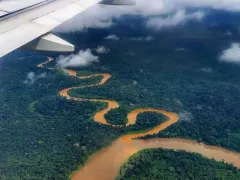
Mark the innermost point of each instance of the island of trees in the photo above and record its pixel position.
(152, 164)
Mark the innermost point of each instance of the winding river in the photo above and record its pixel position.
(105, 164)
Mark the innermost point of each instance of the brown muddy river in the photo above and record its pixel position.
(105, 164)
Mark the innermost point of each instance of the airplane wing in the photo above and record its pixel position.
(27, 22)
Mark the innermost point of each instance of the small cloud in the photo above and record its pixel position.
(207, 69)
(129, 53)
(76, 144)
(178, 102)
(229, 33)
(199, 107)
(112, 37)
(185, 116)
(102, 50)
(32, 77)
(180, 49)
(146, 39)
(232, 54)
(82, 58)
(105, 68)
(181, 16)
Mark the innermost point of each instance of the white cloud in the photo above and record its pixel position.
(129, 53)
(199, 107)
(229, 33)
(146, 39)
(101, 16)
(82, 58)
(102, 50)
(232, 54)
(178, 102)
(180, 49)
(173, 20)
(207, 69)
(231, 5)
(112, 37)
(185, 116)
(32, 77)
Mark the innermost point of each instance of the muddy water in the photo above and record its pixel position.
(105, 164)
(99, 116)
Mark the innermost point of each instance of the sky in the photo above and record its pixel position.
(101, 16)
(159, 14)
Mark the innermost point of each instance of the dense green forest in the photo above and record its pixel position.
(178, 81)
(45, 136)
(145, 121)
(178, 71)
(151, 164)
(117, 116)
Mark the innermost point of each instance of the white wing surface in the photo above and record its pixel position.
(23, 21)
(27, 22)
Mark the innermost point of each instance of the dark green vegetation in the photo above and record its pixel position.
(44, 136)
(179, 71)
(117, 116)
(152, 164)
(146, 121)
